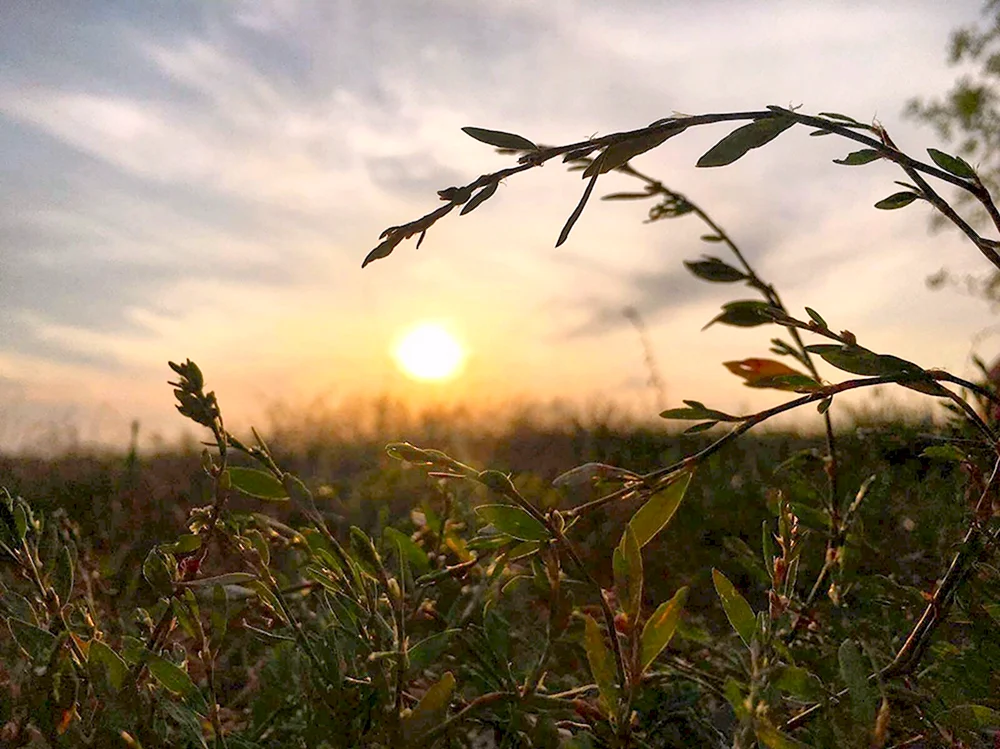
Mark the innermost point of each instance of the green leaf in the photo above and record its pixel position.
(627, 566)
(799, 683)
(816, 317)
(171, 677)
(952, 164)
(62, 579)
(156, 572)
(500, 139)
(479, 198)
(843, 117)
(514, 521)
(602, 664)
(737, 609)
(993, 610)
(618, 154)
(432, 707)
(743, 139)
(859, 360)
(36, 642)
(258, 484)
(714, 270)
(697, 410)
(660, 628)
(428, 650)
(184, 544)
(99, 655)
(702, 427)
(854, 672)
(772, 738)
(944, 452)
(858, 158)
(969, 717)
(744, 313)
(229, 578)
(407, 548)
(651, 518)
(626, 196)
(897, 200)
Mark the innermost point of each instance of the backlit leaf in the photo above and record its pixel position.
(513, 521)
(737, 609)
(407, 548)
(432, 707)
(897, 200)
(858, 158)
(500, 139)
(742, 140)
(772, 738)
(944, 452)
(952, 164)
(627, 567)
(258, 484)
(767, 373)
(602, 664)
(156, 572)
(660, 627)
(651, 518)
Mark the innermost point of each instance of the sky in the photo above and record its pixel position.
(202, 180)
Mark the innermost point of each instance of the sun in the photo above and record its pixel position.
(428, 352)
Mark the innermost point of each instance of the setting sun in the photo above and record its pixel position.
(429, 352)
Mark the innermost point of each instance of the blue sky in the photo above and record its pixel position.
(203, 179)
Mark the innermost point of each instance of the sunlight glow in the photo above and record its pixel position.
(429, 352)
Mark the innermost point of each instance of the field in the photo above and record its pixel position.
(116, 508)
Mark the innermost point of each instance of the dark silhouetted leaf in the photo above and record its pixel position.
(897, 200)
(715, 270)
(500, 139)
(952, 164)
(697, 410)
(744, 314)
(513, 521)
(651, 518)
(816, 317)
(479, 198)
(702, 427)
(258, 484)
(842, 117)
(564, 234)
(626, 196)
(742, 140)
(857, 158)
(660, 628)
(618, 154)
(737, 609)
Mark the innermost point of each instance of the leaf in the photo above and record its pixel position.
(627, 566)
(36, 642)
(714, 270)
(564, 234)
(858, 158)
(171, 677)
(772, 738)
(897, 200)
(229, 578)
(626, 196)
(258, 484)
(156, 572)
(407, 548)
(619, 153)
(63, 575)
(479, 198)
(816, 317)
(745, 313)
(859, 360)
(969, 717)
(737, 609)
(944, 452)
(710, 238)
(431, 708)
(500, 139)
(767, 373)
(952, 164)
(651, 518)
(428, 650)
(602, 665)
(743, 139)
(660, 627)
(799, 683)
(697, 410)
(99, 655)
(702, 427)
(514, 521)
(854, 672)
(835, 116)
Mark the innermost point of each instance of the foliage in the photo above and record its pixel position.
(512, 609)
